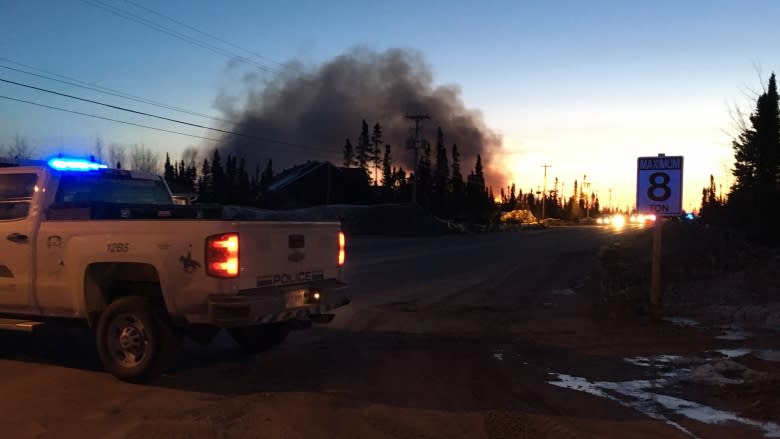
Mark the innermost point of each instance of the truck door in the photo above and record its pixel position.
(19, 192)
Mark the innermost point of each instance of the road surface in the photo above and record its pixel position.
(447, 337)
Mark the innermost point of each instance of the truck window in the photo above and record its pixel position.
(101, 187)
(16, 191)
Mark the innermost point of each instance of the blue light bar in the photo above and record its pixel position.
(75, 165)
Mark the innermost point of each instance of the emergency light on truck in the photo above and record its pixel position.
(61, 164)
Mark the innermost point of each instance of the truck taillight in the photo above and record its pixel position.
(222, 255)
(342, 249)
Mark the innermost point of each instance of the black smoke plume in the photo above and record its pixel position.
(313, 110)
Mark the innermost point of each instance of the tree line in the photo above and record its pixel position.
(440, 186)
(579, 205)
(753, 200)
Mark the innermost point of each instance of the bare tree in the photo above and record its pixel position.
(99, 150)
(116, 155)
(190, 156)
(144, 159)
(20, 149)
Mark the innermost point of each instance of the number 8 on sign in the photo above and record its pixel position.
(655, 185)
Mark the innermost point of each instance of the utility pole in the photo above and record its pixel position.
(416, 118)
(610, 200)
(544, 191)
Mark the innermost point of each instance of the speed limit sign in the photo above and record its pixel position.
(659, 185)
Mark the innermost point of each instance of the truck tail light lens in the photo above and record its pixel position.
(342, 249)
(222, 255)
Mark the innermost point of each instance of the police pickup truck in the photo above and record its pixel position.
(109, 248)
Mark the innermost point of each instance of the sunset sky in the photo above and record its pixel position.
(584, 86)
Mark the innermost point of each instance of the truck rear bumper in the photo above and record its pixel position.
(276, 304)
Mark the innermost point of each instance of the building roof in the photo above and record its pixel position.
(294, 174)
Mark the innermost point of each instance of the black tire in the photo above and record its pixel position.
(135, 341)
(259, 338)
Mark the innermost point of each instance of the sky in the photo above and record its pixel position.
(586, 87)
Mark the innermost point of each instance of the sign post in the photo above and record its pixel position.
(658, 192)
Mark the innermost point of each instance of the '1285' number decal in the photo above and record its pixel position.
(118, 247)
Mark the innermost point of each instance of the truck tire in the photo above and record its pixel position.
(259, 338)
(135, 341)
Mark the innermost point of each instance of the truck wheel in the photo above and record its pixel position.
(254, 339)
(134, 340)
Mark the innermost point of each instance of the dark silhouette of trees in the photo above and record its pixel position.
(268, 175)
(713, 207)
(218, 180)
(224, 178)
(363, 150)
(478, 200)
(205, 183)
(457, 185)
(440, 191)
(424, 176)
(754, 200)
(349, 154)
(387, 170)
(375, 157)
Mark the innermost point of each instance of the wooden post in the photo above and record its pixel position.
(655, 280)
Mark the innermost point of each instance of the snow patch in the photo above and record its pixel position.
(563, 292)
(643, 396)
(657, 361)
(734, 334)
(681, 321)
(709, 415)
(764, 354)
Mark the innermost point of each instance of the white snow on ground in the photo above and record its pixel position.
(735, 335)
(563, 292)
(764, 354)
(709, 415)
(641, 395)
(598, 389)
(681, 321)
(658, 360)
(734, 353)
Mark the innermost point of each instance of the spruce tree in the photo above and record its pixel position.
(755, 196)
(267, 177)
(441, 176)
(363, 149)
(169, 173)
(218, 189)
(458, 187)
(376, 152)
(424, 177)
(349, 154)
(387, 171)
(205, 183)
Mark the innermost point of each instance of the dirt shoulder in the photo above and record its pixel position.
(717, 347)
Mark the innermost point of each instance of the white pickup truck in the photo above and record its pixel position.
(83, 243)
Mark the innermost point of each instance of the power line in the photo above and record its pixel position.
(51, 107)
(207, 34)
(148, 23)
(108, 91)
(116, 107)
